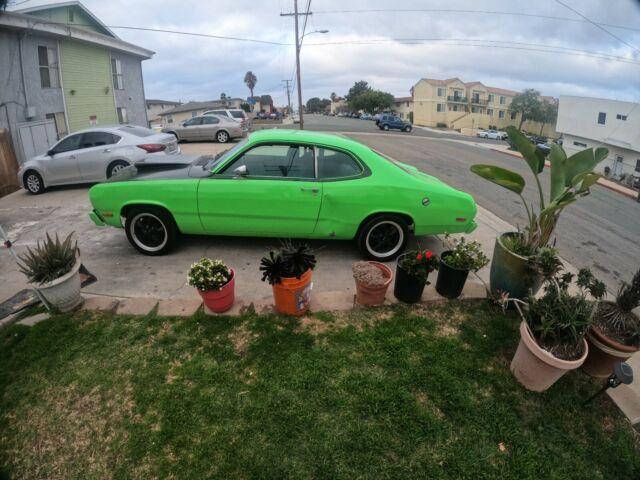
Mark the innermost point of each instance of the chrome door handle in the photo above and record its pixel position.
(72, 157)
(312, 190)
(108, 150)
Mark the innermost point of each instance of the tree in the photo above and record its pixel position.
(357, 89)
(527, 104)
(547, 114)
(315, 105)
(245, 106)
(333, 96)
(250, 79)
(3, 5)
(372, 101)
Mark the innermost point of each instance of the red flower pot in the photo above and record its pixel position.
(220, 301)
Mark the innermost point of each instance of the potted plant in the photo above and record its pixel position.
(412, 273)
(456, 263)
(570, 178)
(372, 280)
(52, 269)
(553, 328)
(615, 333)
(215, 283)
(288, 270)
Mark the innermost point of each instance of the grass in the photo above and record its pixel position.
(420, 392)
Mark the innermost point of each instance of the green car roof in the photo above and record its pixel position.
(306, 136)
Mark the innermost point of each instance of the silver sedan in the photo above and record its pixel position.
(95, 154)
(208, 127)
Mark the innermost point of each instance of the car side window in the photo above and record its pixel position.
(334, 164)
(219, 112)
(72, 142)
(192, 122)
(210, 120)
(280, 161)
(98, 139)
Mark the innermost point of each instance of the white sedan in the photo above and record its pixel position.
(493, 134)
(95, 154)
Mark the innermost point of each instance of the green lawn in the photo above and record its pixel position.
(422, 392)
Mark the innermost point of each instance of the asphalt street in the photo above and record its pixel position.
(600, 231)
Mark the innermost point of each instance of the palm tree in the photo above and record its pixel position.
(250, 79)
(333, 96)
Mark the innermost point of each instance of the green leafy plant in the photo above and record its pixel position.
(571, 178)
(207, 274)
(288, 261)
(617, 319)
(464, 255)
(50, 260)
(419, 263)
(559, 319)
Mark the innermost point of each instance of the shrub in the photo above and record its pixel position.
(50, 260)
(207, 275)
(465, 255)
(419, 263)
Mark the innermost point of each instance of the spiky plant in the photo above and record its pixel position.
(50, 260)
(290, 260)
(617, 318)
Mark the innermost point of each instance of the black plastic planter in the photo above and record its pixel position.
(407, 288)
(450, 280)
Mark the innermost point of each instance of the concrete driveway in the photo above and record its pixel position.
(123, 272)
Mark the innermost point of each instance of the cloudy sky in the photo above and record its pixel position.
(501, 47)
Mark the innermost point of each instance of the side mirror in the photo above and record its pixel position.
(51, 152)
(241, 171)
(184, 124)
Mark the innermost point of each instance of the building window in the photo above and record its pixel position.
(116, 71)
(501, 114)
(58, 120)
(169, 119)
(455, 108)
(122, 115)
(162, 107)
(490, 111)
(48, 67)
(476, 110)
(602, 118)
(441, 92)
(580, 144)
(490, 98)
(440, 107)
(621, 117)
(193, 114)
(513, 115)
(71, 15)
(502, 100)
(407, 104)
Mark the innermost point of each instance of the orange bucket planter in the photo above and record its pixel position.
(292, 295)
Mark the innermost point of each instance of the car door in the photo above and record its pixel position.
(190, 129)
(268, 190)
(62, 166)
(95, 155)
(209, 127)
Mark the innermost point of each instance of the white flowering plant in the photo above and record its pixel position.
(464, 255)
(207, 274)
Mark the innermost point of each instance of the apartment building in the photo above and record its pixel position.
(156, 107)
(403, 107)
(598, 122)
(455, 104)
(62, 70)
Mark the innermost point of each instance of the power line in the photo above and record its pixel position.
(479, 12)
(597, 25)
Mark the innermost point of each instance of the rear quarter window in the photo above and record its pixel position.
(237, 114)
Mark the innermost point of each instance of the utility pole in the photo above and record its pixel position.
(288, 95)
(295, 14)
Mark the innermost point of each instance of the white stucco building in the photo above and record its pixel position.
(593, 122)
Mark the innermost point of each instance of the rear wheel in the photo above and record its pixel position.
(115, 167)
(151, 230)
(222, 136)
(407, 129)
(33, 182)
(383, 238)
(385, 127)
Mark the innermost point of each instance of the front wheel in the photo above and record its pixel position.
(151, 230)
(383, 238)
(33, 182)
(222, 136)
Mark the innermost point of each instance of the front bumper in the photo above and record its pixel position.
(95, 218)
(471, 227)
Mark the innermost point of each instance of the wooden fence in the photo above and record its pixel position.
(8, 165)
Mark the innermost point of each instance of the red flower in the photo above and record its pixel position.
(419, 256)
(428, 254)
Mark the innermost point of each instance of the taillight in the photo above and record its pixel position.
(152, 147)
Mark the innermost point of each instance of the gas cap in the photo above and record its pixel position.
(426, 202)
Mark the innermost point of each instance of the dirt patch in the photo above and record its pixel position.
(368, 274)
(241, 338)
(423, 400)
(313, 325)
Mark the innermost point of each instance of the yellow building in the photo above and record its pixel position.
(403, 106)
(455, 104)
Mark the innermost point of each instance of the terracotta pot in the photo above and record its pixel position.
(63, 293)
(535, 368)
(292, 296)
(368, 295)
(220, 301)
(604, 353)
(509, 272)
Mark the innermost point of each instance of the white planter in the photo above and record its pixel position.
(63, 293)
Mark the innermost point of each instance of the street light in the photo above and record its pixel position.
(298, 46)
(315, 31)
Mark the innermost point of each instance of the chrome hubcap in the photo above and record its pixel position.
(385, 239)
(222, 137)
(33, 183)
(116, 169)
(148, 232)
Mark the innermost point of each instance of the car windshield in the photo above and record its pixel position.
(137, 131)
(222, 156)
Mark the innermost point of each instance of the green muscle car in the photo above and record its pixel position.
(285, 183)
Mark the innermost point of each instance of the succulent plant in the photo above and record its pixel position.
(290, 260)
(51, 259)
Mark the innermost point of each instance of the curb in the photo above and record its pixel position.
(626, 192)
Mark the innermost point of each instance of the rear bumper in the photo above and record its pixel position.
(471, 227)
(95, 218)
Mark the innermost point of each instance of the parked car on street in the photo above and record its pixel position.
(493, 134)
(95, 154)
(393, 122)
(236, 114)
(207, 127)
(286, 183)
(296, 118)
(365, 116)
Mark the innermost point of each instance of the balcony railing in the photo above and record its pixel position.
(478, 101)
(457, 99)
